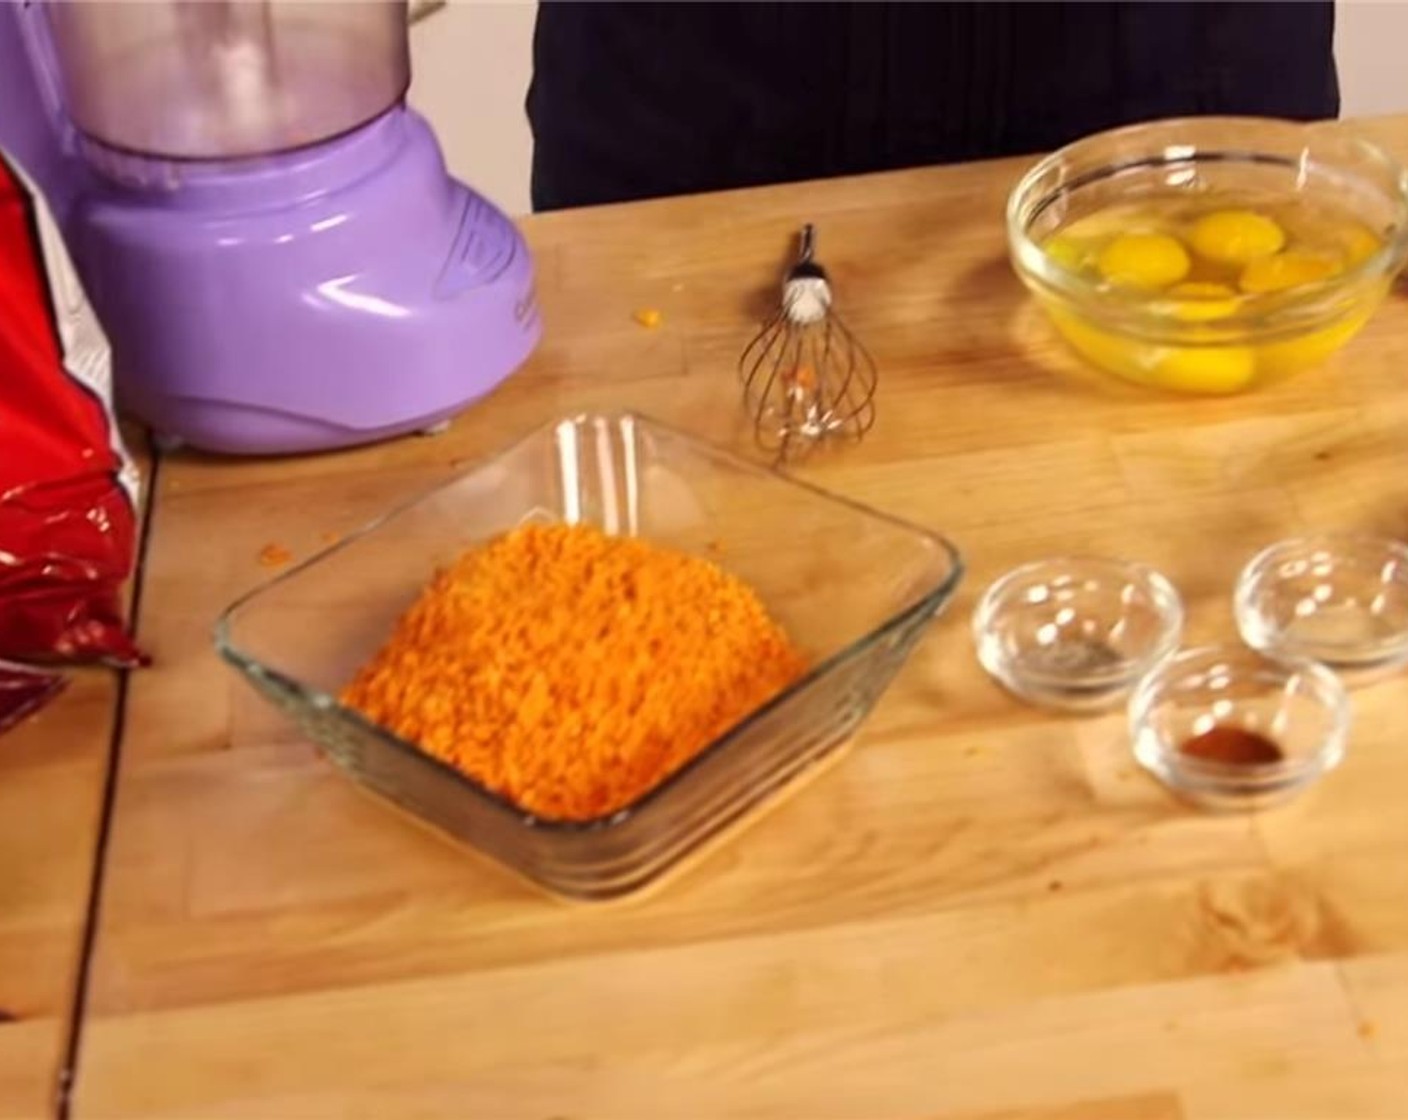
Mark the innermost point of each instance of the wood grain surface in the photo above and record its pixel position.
(984, 912)
(53, 769)
(51, 780)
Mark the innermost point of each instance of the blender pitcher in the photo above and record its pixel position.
(220, 79)
(267, 232)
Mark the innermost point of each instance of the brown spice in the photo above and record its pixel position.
(1233, 746)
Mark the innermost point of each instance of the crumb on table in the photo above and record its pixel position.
(274, 556)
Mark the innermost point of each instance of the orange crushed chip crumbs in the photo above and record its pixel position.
(274, 556)
(648, 317)
(570, 671)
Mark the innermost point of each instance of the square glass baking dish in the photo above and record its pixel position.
(854, 588)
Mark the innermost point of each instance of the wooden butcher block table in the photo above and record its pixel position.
(54, 770)
(985, 911)
(52, 774)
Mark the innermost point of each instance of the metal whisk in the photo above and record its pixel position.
(805, 375)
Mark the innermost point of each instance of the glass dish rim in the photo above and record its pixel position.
(1133, 311)
(1326, 755)
(1131, 670)
(319, 700)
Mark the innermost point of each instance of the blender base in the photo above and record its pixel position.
(217, 427)
(332, 296)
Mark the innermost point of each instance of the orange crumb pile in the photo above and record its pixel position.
(571, 671)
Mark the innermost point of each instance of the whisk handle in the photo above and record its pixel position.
(806, 267)
(807, 244)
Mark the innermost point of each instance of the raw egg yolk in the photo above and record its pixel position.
(1189, 369)
(1144, 260)
(1236, 237)
(1200, 301)
(1287, 270)
(1203, 369)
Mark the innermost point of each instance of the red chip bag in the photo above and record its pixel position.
(67, 489)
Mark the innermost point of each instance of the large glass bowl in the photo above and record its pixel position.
(1219, 345)
(854, 589)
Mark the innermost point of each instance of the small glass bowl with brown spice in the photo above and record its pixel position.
(1231, 729)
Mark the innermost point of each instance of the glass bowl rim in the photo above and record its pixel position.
(1036, 267)
(1330, 693)
(322, 701)
(1162, 589)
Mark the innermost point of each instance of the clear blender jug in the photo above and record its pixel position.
(267, 231)
(220, 79)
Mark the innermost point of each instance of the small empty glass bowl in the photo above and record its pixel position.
(1342, 601)
(1076, 633)
(1299, 708)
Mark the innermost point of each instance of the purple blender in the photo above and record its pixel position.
(267, 232)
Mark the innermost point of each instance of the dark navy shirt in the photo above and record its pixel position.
(633, 100)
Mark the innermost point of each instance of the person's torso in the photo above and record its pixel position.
(665, 98)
